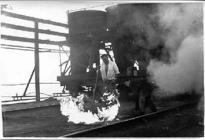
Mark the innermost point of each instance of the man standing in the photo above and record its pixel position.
(109, 72)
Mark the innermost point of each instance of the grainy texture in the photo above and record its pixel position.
(48, 122)
(180, 123)
(45, 122)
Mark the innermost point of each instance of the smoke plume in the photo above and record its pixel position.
(171, 36)
(184, 75)
(182, 26)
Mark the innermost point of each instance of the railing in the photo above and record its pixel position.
(36, 30)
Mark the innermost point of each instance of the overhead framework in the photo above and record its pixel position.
(34, 40)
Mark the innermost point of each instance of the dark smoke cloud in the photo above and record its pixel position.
(141, 22)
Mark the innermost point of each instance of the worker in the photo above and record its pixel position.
(109, 72)
(144, 90)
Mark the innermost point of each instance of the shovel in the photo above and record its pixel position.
(95, 87)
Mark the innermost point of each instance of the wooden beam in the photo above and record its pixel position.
(19, 16)
(27, 47)
(23, 39)
(9, 48)
(36, 57)
(23, 28)
(19, 84)
(29, 81)
(14, 38)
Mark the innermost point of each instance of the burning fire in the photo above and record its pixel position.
(74, 109)
(110, 112)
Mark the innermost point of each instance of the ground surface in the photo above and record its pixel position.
(180, 123)
(48, 122)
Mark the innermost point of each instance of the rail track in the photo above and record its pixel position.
(110, 126)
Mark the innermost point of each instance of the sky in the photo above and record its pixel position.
(16, 66)
(54, 10)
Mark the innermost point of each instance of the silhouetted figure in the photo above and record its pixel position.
(143, 90)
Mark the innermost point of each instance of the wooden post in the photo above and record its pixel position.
(36, 55)
(60, 60)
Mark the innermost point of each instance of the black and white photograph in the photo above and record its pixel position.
(101, 69)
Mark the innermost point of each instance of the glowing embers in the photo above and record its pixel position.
(83, 109)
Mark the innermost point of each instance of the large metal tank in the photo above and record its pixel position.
(127, 24)
(86, 21)
(122, 13)
(86, 31)
(86, 25)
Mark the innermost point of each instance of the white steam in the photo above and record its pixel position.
(179, 21)
(182, 26)
(186, 74)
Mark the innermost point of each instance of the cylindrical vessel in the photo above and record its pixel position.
(86, 21)
(127, 24)
(86, 30)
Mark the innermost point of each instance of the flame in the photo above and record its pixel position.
(110, 112)
(73, 109)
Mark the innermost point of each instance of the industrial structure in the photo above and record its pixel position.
(36, 41)
(130, 41)
(89, 32)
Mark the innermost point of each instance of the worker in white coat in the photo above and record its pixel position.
(109, 69)
(109, 72)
